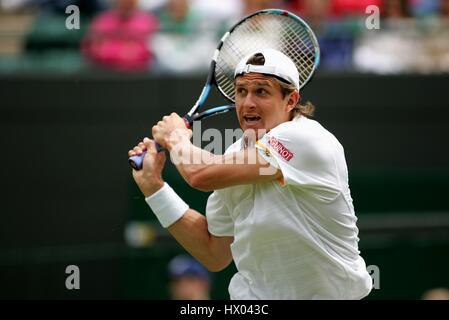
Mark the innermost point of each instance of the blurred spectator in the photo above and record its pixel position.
(436, 294)
(386, 52)
(396, 9)
(118, 39)
(444, 9)
(17, 5)
(404, 44)
(189, 280)
(228, 10)
(315, 12)
(186, 39)
(151, 5)
(424, 8)
(336, 38)
(344, 8)
(325, 9)
(12, 5)
(124, 38)
(48, 36)
(250, 6)
(87, 7)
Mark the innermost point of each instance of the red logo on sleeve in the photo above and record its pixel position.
(279, 147)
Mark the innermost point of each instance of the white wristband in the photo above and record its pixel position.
(167, 205)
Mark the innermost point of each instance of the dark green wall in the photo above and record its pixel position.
(67, 193)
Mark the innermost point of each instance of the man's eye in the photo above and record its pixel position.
(240, 90)
(261, 91)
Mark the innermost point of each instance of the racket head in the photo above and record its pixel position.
(269, 28)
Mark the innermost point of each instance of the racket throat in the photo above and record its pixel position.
(188, 120)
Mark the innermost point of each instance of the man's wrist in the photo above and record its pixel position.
(149, 190)
(167, 205)
(181, 136)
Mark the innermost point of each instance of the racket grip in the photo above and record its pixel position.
(136, 162)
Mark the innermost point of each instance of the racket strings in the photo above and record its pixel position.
(266, 30)
(247, 37)
(303, 54)
(299, 55)
(291, 33)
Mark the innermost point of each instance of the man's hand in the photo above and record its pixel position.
(149, 179)
(171, 131)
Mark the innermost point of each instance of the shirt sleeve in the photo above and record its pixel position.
(305, 159)
(219, 220)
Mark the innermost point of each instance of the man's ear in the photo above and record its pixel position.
(293, 99)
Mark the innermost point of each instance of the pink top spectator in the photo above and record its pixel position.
(352, 7)
(121, 42)
(332, 8)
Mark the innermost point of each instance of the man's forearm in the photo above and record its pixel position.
(206, 172)
(150, 187)
(192, 233)
(190, 160)
(190, 228)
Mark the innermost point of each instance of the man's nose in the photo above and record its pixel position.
(249, 102)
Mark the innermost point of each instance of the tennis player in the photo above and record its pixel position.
(286, 219)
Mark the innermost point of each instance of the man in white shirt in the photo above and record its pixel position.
(286, 218)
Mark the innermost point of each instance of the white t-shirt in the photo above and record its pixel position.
(295, 239)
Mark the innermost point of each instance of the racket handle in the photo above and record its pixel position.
(137, 161)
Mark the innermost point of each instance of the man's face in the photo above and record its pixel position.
(259, 102)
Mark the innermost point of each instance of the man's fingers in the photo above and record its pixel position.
(142, 146)
(137, 150)
(150, 145)
(160, 158)
(154, 130)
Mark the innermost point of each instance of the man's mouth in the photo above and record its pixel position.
(251, 119)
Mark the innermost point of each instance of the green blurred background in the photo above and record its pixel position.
(68, 196)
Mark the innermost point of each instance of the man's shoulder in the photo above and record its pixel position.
(301, 136)
(297, 128)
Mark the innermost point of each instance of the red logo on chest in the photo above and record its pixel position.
(279, 147)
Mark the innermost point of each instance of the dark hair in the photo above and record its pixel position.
(256, 60)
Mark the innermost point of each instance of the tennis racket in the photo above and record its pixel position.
(269, 28)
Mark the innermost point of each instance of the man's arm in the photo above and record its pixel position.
(206, 171)
(190, 230)
(192, 233)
